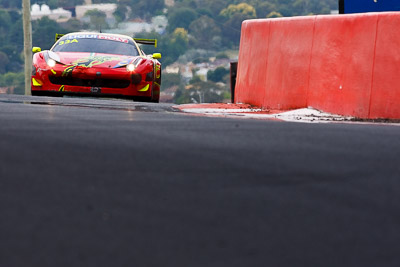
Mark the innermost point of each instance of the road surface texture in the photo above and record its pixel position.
(95, 182)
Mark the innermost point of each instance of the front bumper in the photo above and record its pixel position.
(117, 82)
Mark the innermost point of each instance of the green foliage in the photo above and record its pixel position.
(244, 9)
(73, 25)
(204, 29)
(11, 41)
(139, 8)
(233, 16)
(178, 43)
(11, 4)
(199, 60)
(170, 79)
(170, 46)
(120, 14)
(44, 31)
(180, 18)
(274, 14)
(217, 75)
(15, 80)
(54, 3)
(4, 62)
(5, 23)
(97, 19)
(221, 55)
(67, 3)
(232, 29)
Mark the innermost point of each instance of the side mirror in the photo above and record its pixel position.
(36, 49)
(157, 55)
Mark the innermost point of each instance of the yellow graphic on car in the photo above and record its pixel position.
(88, 62)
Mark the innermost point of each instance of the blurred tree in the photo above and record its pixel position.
(15, 45)
(73, 25)
(244, 9)
(14, 80)
(15, 60)
(69, 3)
(274, 14)
(265, 8)
(170, 79)
(97, 19)
(4, 62)
(217, 75)
(104, 1)
(216, 6)
(178, 43)
(171, 46)
(11, 4)
(5, 24)
(43, 32)
(121, 13)
(232, 29)
(234, 15)
(53, 4)
(204, 29)
(180, 18)
(137, 8)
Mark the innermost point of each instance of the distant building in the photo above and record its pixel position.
(202, 73)
(59, 14)
(169, 3)
(158, 24)
(7, 90)
(108, 9)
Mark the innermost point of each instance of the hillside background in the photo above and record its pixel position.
(197, 38)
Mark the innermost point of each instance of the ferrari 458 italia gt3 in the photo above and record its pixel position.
(97, 64)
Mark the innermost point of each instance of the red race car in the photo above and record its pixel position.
(97, 64)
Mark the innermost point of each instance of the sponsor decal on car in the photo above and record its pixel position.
(97, 36)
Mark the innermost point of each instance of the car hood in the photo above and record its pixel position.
(89, 60)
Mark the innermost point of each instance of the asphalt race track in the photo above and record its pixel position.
(97, 182)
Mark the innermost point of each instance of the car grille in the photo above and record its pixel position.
(110, 83)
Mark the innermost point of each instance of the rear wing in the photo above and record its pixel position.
(58, 36)
(146, 41)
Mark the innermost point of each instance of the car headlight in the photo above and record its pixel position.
(51, 58)
(130, 67)
(51, 62)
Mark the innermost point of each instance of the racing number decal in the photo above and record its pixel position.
(67, 42)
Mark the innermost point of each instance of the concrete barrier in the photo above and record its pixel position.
(344, 64)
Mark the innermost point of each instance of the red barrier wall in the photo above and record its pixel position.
(287, 75)
(385, 95)
(254, 78)
(344, 64)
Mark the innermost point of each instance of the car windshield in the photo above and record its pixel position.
(92, 45)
